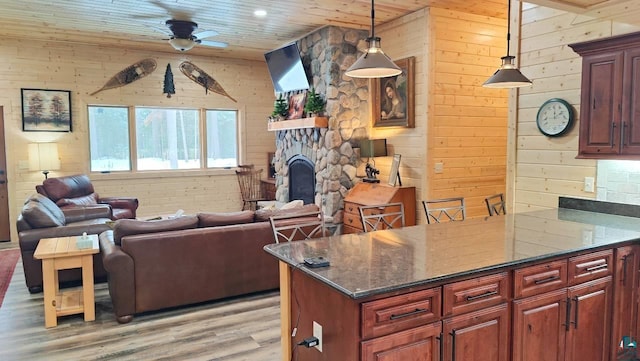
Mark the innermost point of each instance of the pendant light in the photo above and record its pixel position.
(508, 76)
(374, 63)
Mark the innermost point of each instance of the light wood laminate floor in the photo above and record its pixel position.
(246, 328)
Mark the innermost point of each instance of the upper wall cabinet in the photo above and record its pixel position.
(610, 99)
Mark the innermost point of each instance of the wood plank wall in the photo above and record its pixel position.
(546, 167)
(84, 69)
(468, 126)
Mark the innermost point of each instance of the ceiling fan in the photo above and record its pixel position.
(182, 37)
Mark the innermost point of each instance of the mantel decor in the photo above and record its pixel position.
(46, 110)
(393, 97)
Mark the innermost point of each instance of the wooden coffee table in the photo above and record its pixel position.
(59, 254)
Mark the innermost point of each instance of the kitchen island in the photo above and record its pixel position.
(558, 281)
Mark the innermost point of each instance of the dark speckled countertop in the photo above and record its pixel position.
(368, 264)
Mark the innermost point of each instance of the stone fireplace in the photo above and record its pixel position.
(326, 55)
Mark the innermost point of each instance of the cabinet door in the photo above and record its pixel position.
(540, 324)
(589, 335)
(631, 103)
(624, 295)
(600, 104)
(417, 344)
(481, 335)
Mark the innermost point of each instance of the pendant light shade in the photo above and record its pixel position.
(374, 63)
(508, 76)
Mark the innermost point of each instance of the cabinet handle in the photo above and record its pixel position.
(567, 314)
(484, 295)
(453, 344)
(624, 270)
(575, 323)
(545, 280)
(407, 314)
(613, 130)
(597, 268)
(441, 339)
(622, 140)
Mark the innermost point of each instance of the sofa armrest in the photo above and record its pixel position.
(120, 269)
(81, 213)
(129, 203)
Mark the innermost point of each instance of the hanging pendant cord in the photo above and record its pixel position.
(373, 15)
(508, 25)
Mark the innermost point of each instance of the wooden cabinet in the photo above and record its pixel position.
(368, 194)
(417, 344)
(610, 99)
(625, 293)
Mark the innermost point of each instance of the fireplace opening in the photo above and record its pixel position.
(301, 179)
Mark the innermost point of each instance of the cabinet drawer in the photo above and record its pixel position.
(470, 295)
(352, 208)
(352, 220)
(540, 278)
(590, 266)
(397, 313)
(350, 230)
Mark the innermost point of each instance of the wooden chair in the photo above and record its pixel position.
(495, 204)
(296, 227)
(449, 209)
(250, 187)
(382, 216)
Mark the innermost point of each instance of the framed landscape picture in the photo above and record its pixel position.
(393, 97)
(46, 110)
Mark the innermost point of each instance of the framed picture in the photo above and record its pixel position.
(46, 110)
(296, 105)
(394, 173)
(393, 97)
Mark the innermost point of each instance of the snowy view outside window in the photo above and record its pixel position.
(166, 139)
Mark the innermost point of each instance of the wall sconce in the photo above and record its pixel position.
(372, 148)
(44, 157)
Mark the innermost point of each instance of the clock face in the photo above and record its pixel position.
(555, 117)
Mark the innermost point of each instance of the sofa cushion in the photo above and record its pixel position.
(40, 212)
(262, 215)
(68, 187)
(208, 219)
(88, 200)
(126, 227)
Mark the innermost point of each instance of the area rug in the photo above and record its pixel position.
(8, 260)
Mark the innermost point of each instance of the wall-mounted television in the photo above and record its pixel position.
(286, 70)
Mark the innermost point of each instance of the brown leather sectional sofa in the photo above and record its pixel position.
(159, 264)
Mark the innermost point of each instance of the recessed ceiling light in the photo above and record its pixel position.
(260, 13)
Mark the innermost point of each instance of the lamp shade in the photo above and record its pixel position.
(508, 76)
(182, 44)
(373, 64)
(373, 148)
(43, 156)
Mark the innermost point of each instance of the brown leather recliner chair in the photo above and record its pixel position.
(77, 191)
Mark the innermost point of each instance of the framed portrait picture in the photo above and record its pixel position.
(46, 110)
(393, 97)
(296, 105)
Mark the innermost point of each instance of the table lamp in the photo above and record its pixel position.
(43, 157)
(372, 148)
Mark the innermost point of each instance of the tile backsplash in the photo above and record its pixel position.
(618, 181)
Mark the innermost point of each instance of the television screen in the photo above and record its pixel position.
(285, 67)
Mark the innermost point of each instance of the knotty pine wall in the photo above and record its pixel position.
(458, 123)
(546, 168)
(83, 69)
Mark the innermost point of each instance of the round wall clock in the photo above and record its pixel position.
(555, 117)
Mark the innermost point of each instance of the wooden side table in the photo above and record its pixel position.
(58, 254)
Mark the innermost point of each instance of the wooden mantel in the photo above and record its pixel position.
(313, 122)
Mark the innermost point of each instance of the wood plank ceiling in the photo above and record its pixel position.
(141, 23)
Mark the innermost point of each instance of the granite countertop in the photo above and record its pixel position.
(368, 264)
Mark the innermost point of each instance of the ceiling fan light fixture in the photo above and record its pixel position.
(374, 63)
(508, 75)
(182, 44)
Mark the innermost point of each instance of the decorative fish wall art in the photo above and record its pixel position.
(199, 76)
(129, 74)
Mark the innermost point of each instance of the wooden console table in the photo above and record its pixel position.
(368, 194)
(62, 253)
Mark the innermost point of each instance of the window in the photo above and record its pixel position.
(165, 139)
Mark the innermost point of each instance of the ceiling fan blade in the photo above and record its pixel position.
(174, 13)
(205, 34)
(215, 44)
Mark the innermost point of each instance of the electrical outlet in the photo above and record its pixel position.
(439, 167)
(589, 184)
(317, 332)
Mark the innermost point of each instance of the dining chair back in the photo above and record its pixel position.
(444, 209)
(297, 227)
(382, 216)
(250, 187)
(495, 204)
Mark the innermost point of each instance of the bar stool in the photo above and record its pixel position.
(449, 209)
